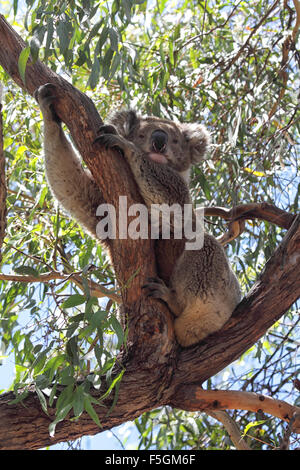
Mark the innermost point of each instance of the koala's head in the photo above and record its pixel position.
(178, 145)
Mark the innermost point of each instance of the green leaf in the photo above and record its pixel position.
(73, 301)
(78, 403)
(42, 399)
(72, 350)
(27, 270)
(60, 416)
(98, 318)
(251, 425)
(22, 62)
(15, 7)
(106, 63)
(103, 38)
(34, 48)
(113, 384)
(118, 329)
(126, 4)
(42, 196)
(63, 34)
(117, 386)
(114, 66)
(204, 185)
(65, 398)
(50, 31)
(90, 410)
(95, 29)
(94, 76)
(52, 395)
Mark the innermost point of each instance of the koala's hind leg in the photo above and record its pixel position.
(73, 186)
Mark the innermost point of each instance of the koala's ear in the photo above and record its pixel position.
(198, 140)
(124, 121)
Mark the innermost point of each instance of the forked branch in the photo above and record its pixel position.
(242, 212)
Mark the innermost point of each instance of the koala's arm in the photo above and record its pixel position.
(71, 184)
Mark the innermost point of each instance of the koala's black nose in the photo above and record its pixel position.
(159, 140)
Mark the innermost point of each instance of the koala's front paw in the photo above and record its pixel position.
(156, 288)
(45, 96)
(110, 141)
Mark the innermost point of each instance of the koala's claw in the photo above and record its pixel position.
(109, 141)
(156, 288)
(45, 93)
(45, 96)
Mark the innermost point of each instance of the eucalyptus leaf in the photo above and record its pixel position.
(73, 301)
(22, 62)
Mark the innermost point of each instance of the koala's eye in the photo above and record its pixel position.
(141, 136)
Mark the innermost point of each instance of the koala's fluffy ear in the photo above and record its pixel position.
(124, 122)
(198, 140)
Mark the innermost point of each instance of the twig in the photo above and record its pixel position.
(203, 20)
(96, 290)
(198, 36)
(288, 43)
(286, 438)
(239, 53)
(231, 427)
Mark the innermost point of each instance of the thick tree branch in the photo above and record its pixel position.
(148, 390)
(3, 189)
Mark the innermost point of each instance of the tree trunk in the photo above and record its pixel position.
(3, 191)
(158, 371)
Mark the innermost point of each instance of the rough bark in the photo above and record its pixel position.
(158, 371)
(3, 190)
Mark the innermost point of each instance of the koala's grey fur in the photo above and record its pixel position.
(203, 289)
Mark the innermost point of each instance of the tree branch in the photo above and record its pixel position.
(231, 427)
(194, 398)
(95, 289)
(251, 211)
(110, 172)
(238, 214)
(3, 189)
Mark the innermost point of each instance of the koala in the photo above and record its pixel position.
(203, 290)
